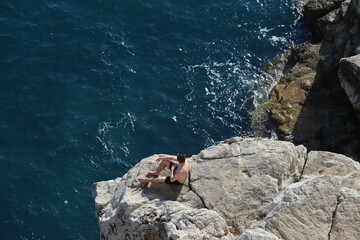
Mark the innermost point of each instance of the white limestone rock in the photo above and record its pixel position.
(172, 220)
(317, 208)
(346, 220)
(256, 234)
(328, 163)
(240, 188)
(238, 178)
(103, 192)
(304, 210)
(279, 159)
(352, 180)
(230, 187)
(133, 212)
(194, 224)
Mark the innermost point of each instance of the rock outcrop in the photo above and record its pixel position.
(314, 9)
(304, 210)
(349, 75)
(242, 188)
(237, 170)
(308, 105)
(343, 218)
(328, 163)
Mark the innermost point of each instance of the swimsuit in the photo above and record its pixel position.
(167, 180)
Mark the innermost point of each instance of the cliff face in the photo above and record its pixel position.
(238, 189)
(260, 188)
(316, 101)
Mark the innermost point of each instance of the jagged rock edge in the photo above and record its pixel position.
(224, 158)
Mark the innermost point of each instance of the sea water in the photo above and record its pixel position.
(90, 87)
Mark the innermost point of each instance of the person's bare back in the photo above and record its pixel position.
(182, 172)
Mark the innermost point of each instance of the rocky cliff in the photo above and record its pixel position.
(239, 189)
(259, 188)
(316, 101)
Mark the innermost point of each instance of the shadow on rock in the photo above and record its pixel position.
(309, 107)
(161, 191)
(326, 120)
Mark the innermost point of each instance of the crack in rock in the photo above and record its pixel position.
(303, 169)
(333, 216)
(191, 189)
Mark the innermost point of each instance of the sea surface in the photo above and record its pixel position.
(90, 87)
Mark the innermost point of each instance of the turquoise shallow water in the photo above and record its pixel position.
(89, 88)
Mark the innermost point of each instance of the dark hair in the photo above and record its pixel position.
(181, 157)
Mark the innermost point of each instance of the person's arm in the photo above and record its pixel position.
(166, 158)
(172, 172)
(172, 177)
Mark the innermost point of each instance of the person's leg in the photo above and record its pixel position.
(154, 180)
(161, 167)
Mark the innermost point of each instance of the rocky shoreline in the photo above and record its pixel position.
(257, 188)
(242, 188)
(316, 101)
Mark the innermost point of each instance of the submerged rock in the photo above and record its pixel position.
(288, 96)
(242, 188)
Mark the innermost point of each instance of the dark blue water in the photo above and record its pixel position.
(89, 88)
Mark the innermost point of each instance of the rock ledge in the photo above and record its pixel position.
(242, 188)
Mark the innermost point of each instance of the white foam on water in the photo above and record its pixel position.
(227, 92)
(275, 40)
(109, 132)
(264, 31)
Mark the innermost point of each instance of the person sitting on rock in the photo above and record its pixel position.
(178, 170)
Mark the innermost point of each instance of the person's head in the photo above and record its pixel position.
(181, 157)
